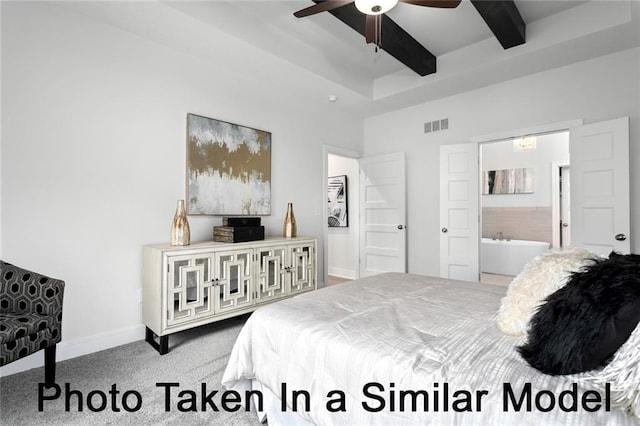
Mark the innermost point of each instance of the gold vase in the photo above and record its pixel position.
(180, 232)
(290, 230)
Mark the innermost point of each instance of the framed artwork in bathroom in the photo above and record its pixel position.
(337, 201)
(228, 168)
(507, 181)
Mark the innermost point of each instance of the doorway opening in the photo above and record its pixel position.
(600, 212)
(524, 202)
(341, 216)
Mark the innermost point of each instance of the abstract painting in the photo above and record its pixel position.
(337, 202)
(228, 168)
(508, 181)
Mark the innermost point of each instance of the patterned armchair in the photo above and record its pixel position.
(30, 316)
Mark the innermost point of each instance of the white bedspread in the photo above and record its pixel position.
(401, 332)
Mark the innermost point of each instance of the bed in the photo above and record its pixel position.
(396, 349)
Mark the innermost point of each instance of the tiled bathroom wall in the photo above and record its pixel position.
(518, 223)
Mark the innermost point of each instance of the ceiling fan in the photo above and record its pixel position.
(368, 18)
(373, 9)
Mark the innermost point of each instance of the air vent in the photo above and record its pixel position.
(436, 126)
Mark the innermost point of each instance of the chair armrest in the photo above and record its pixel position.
(24, 291)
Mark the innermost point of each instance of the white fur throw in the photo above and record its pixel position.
(543, 275)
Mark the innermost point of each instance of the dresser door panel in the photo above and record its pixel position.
(302, 268)
(189, 288)
(234, 273)
(272, 273)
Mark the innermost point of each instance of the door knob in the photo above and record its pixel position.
(400, 227)
(565, 224)
(621, 237)
(444, 230)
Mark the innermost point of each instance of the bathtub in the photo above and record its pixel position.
(508, 257)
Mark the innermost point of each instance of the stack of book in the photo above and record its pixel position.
(238, 230)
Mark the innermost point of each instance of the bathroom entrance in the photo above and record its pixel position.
(600, 213)
(524, 201)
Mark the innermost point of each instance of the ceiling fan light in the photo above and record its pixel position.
(375, 7)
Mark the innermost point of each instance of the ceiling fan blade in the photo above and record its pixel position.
(449, 4)
(370, 29)
(397, 42)
(321, 7)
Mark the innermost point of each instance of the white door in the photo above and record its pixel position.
(459, 190)
(382, 214)
(600, 186)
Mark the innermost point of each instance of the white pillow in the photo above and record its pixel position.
(542, 276)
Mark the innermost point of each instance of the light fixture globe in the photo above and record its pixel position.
(375, 7)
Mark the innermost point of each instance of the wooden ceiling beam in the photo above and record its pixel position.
(394, 40)
(504, 20)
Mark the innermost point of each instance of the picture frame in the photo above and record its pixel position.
(507, 181)
(228, 168)
(338, 213)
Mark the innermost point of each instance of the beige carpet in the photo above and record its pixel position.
(195, 357)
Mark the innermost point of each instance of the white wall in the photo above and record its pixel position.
(343, 242)
(550, 149)
(93, 155)
(595, 90)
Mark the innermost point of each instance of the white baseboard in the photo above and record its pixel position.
(342, 273)
(76, 348)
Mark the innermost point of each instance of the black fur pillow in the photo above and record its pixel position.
(584, 323)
